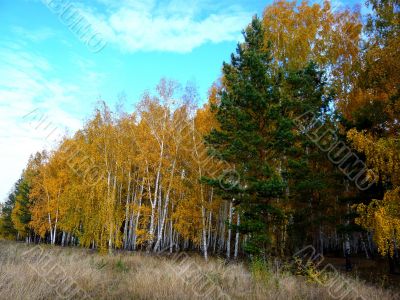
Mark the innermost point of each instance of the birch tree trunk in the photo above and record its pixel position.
(136, 222)
(154, 201)
(228, 242)
(63, 239)
(237, 237)
(127, 212)
(203, 217)
(171, 233)
(164, 212)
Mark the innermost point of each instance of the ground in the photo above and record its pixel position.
(44, 272)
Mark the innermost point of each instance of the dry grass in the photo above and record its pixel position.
(77, 273)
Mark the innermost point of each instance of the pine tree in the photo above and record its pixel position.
(257, 134)
(7, 229)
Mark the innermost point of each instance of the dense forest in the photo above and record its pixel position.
(298, 144)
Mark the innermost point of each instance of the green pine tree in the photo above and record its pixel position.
(7, 229)
(257, 133)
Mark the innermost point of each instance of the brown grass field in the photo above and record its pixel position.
(44, 272)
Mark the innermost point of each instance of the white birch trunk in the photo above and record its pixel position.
(164, 212)
(228, 242)
(203, 217)
(237, 237)
(136, 224)
(127, 213)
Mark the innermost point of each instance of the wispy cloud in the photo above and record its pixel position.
(37, 35)
(173, 26)
(27, 83)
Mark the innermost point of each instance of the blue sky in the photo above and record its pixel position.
(45, 67)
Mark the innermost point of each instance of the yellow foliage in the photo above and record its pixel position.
(300, 33)
(383, 218)
(382, 155)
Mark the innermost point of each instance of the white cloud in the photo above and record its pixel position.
(140, 5)
(25, 88)
(37, 35)
(174, 25)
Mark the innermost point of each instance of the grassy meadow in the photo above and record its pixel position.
(45, 272)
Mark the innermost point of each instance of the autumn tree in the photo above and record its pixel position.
(7, 229)
(373, 114)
